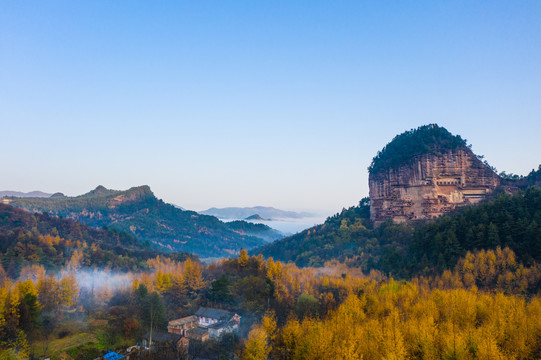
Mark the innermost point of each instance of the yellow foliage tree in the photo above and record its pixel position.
(256, 347)
(243, 258)
(68, 292)
(193, 277)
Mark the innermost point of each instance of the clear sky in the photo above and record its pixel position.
(240, 103)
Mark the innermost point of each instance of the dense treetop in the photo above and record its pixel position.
(427, 139)
(512, 221)
(532, 179)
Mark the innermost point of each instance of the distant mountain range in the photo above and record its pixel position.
(245, 212)
(39, 194)
(139, 212)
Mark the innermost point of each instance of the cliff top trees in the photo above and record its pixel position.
(425, 139)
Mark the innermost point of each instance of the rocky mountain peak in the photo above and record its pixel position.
(424, 173)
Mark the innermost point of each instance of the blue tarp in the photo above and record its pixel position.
(111, 355)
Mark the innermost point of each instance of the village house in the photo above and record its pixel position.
(199, 334)
(217, 321)
(210, 316)
(165, 339)
(222, 327)
(204, 324)
(181, 326)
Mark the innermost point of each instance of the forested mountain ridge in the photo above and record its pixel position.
(406, 250)
(28, 239)
(259, 230)
(139, 212)
(532, 179)
(339, 237)
(512, 221)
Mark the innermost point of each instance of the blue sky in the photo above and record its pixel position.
(240, 103)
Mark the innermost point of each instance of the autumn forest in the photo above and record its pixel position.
(90, 277)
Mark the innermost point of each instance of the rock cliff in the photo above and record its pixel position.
(429, 183)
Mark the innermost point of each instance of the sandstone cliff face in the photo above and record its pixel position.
(429, 185)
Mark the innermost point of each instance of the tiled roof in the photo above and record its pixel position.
(214, 313)
(199, 331)
(158, 336)
(184, 320)
(222, 324)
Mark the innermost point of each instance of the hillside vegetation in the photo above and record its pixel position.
(28, 239)
(407, 250)
(259, 230)
(139, 212)
(335, 312)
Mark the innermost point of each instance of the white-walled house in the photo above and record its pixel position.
(223, 327)
(217, 321)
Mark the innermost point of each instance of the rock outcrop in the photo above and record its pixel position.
(429, 185)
